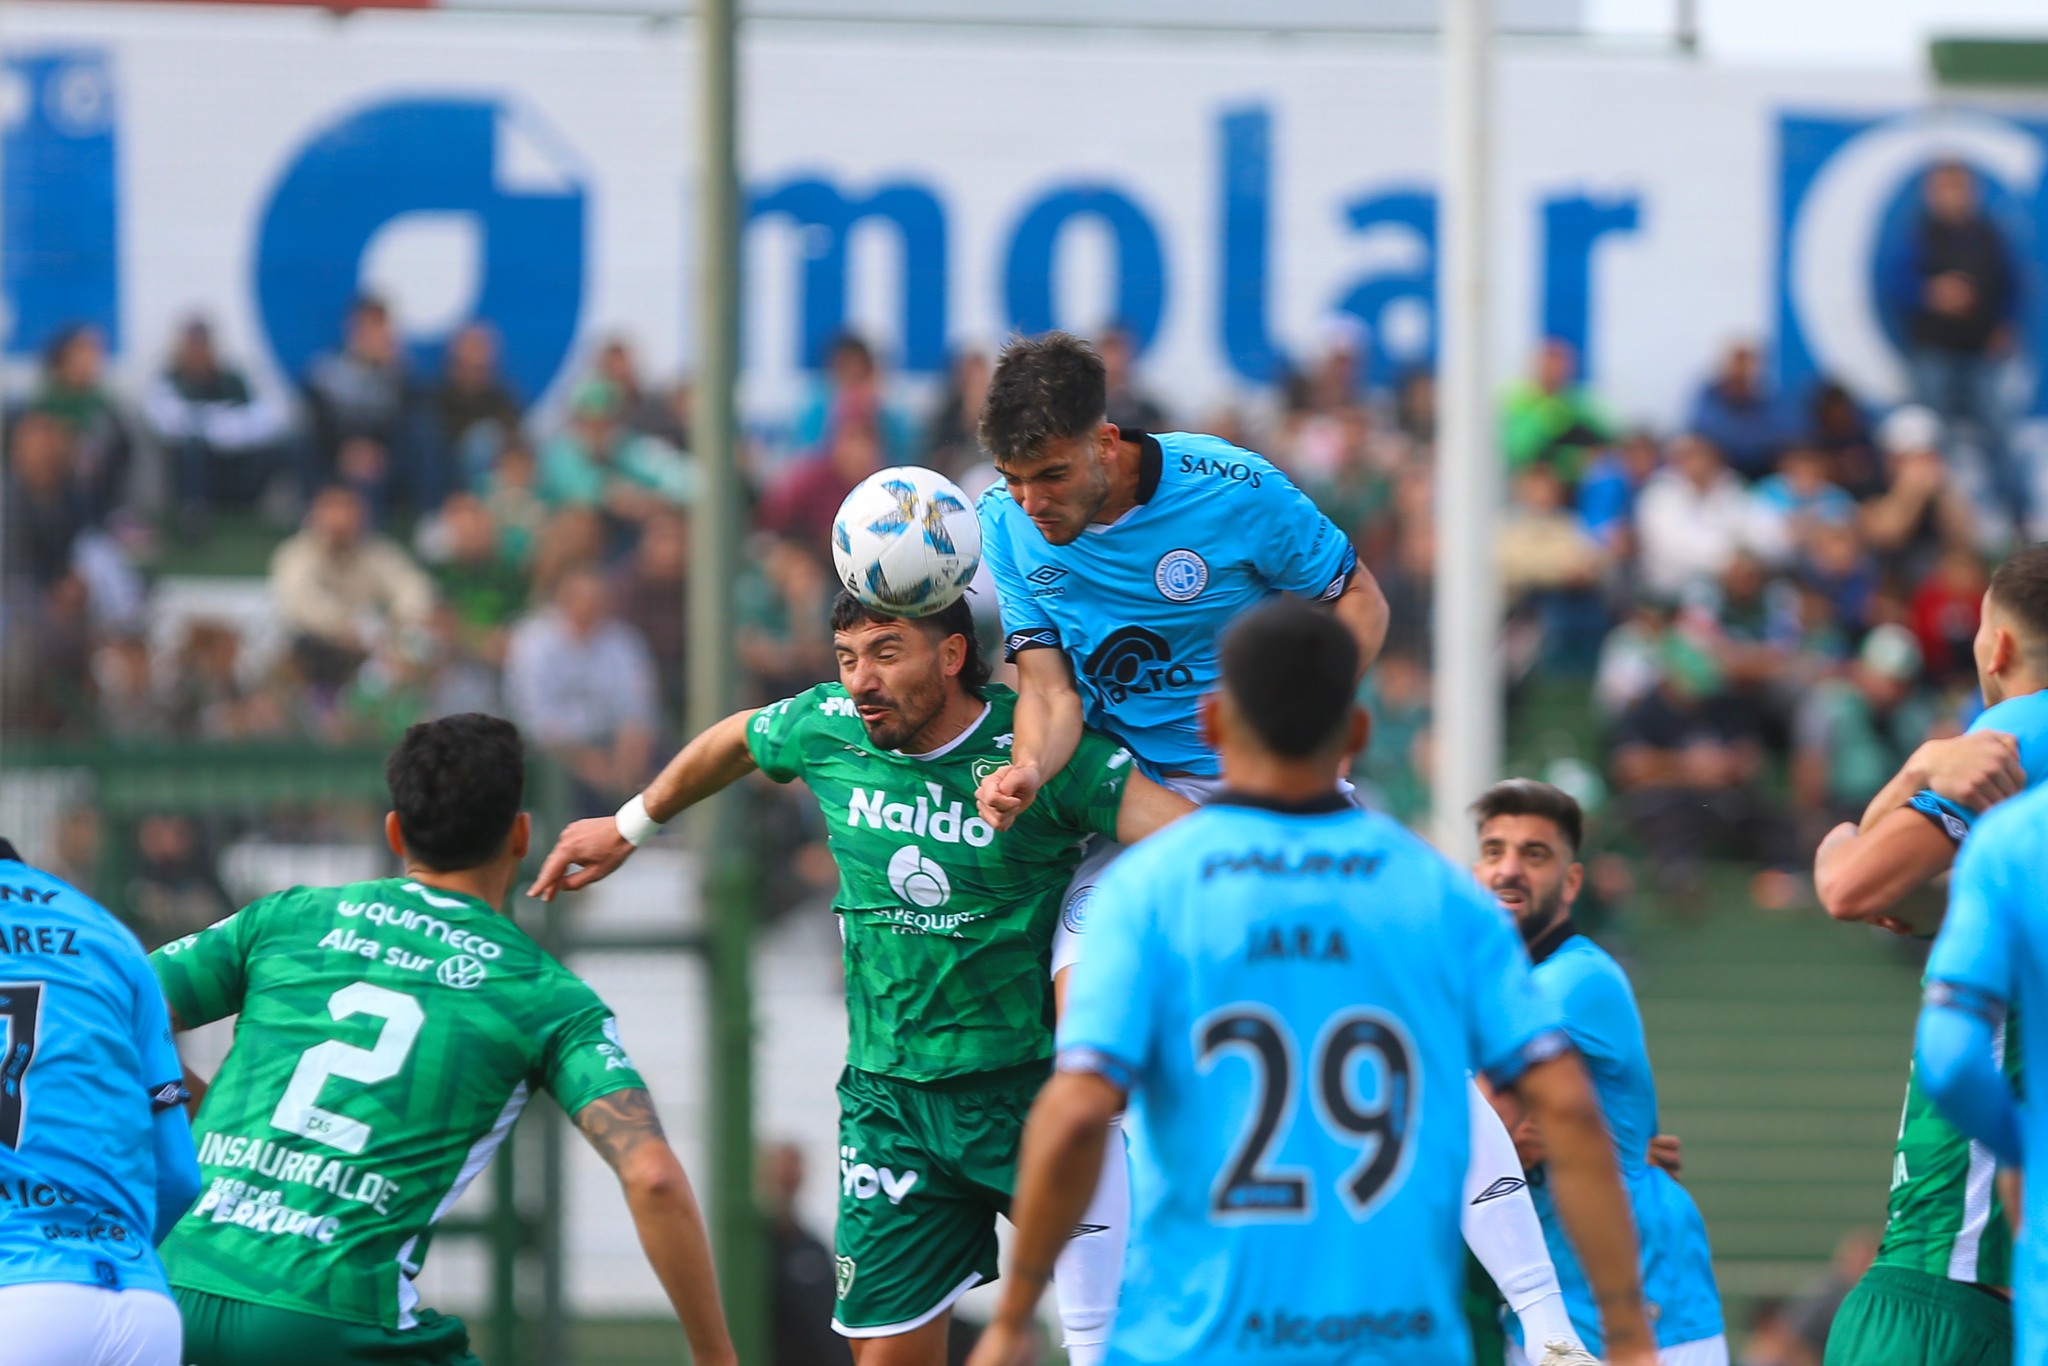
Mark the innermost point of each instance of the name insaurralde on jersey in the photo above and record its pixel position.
(390, 1035)
(947, 922)
(1138, 605)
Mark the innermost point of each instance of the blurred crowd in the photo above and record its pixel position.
(1770, 602)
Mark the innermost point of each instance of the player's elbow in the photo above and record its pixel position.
(653, 1174)
(1847, 890)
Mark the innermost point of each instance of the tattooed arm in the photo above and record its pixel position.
(623, 1128)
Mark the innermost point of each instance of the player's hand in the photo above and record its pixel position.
(1664, 1153)
(1004, 794)
(595, 846)
(1004, 1344)
(1977, 770)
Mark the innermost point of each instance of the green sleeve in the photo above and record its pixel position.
(203, 975)
(776, 735)
(1086, 794)
(585, 1059)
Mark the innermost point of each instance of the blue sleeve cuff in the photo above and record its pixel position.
(169, 1096)
(1953, 819)
(1972, 1001)
(1097, 1062)
(1541, 1047)
(1031, 638)
(1335, 588)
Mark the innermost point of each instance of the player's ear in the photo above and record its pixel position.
(522, 834)
(1574, 883)
(1358, 735)
(392, 835)
(952, 655)
(2003, 649)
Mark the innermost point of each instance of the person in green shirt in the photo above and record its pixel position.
(1551, 418)
(390, 1034)
(598, 461)
(947, 924)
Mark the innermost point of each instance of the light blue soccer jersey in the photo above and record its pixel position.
(1138, 605)
(1293, 1000)
(1592, 994)
(1994, 942)
(2026, 720)
(86, 1061)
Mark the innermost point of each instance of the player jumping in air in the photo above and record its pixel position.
(947, 924)
(1529, 835)
(1939, 1293)
(391, 1032)
(1119, 557)
(1290, 993)
(95, 1154)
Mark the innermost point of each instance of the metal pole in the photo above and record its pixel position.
(713, 664)
(1688, 27)
(1466, 625)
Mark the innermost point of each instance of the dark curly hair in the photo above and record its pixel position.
(957, 619)
(456, 785)
(1044, 389)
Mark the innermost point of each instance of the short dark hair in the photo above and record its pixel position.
(1527, 797)
(456, 785)
(955, 619)
(2020, 587)
(1291, 669)
(1044, 389)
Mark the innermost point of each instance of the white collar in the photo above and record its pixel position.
(943, 750)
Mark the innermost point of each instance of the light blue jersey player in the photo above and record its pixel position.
(1529, 837)
(1990, 959)
(96, 1158)
(1289, 993)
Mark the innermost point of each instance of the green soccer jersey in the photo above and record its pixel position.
(947, 922)
(389, 1036)
(1945, 1217)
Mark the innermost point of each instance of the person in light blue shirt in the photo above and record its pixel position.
(1529, 838)
(1987, 961)
(96, 1156)
(1290, 992)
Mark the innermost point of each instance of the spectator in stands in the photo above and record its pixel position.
(225, 442)
(1944, 612)
(1408, 573)
(1415, 406)
(784, 609)
(511, 494)
(1394, 770)
(1352, 486)
(124, 686)
(1130, 407)
(597, 461)
(1851, 733)
(175, 891)
(653, 597)
(665, 417)
(1551, 568)
(207, 697)
(952, 444)
(1921, 509)
(1736, 412)
(807, 497)
(360, 412)
(1610, 485)
(47, 507)
(1798, 498)
(1961, 299)
(853, 383)
(74, 391)
(340, 588)
(802, 1290)
(1693, 518)
(580, 682)
(1551, 417)
(483, 588)
(473, 411)
(1836, 425)
(1834, 560)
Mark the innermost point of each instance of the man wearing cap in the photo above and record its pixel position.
(597, 461)
(1850, 734)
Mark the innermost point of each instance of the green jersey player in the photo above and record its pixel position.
(948, 927)
(390, 1033)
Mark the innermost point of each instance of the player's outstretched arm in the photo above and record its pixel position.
(1146, 807)
(1587, 1186)
(625, 1130)
(1046, 731)
(710, 763)
(1056, 1174)
(1363, 609)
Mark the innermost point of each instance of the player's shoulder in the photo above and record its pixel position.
(2014, 829)
(2025, 713)
(825, 706)
(1580, 966)
(1196, 467)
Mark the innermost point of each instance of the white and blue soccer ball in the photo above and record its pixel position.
(906, 542)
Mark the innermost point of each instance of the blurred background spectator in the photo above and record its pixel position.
(1739, 415)
(1551, 417)
(224, 441)
(341, 588)
(360, 417)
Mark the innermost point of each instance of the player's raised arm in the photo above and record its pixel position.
(594, 848)
(1147, 807)
(1048, 729)
(625, 1130)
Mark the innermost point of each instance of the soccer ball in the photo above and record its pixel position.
(906, 542)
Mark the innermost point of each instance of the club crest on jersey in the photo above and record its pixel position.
(843, 1268)
(1074, 915)
(981, 768)
(1181, 575)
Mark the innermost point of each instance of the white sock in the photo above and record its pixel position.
(1086, 1276)
(1501, 1228)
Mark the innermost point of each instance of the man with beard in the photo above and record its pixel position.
(948, 926)
(1529, 834)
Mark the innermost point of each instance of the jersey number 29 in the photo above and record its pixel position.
(1383, 1126)
(21, 1011)
(298, 1113)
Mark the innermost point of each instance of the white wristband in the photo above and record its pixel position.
(635, 825)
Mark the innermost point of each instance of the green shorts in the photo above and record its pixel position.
(224, 1332)
(1900, 1317)
(923, 1172)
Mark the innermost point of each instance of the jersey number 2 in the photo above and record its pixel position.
(1247, 1188)
(298, 1113)
(21, 1011)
